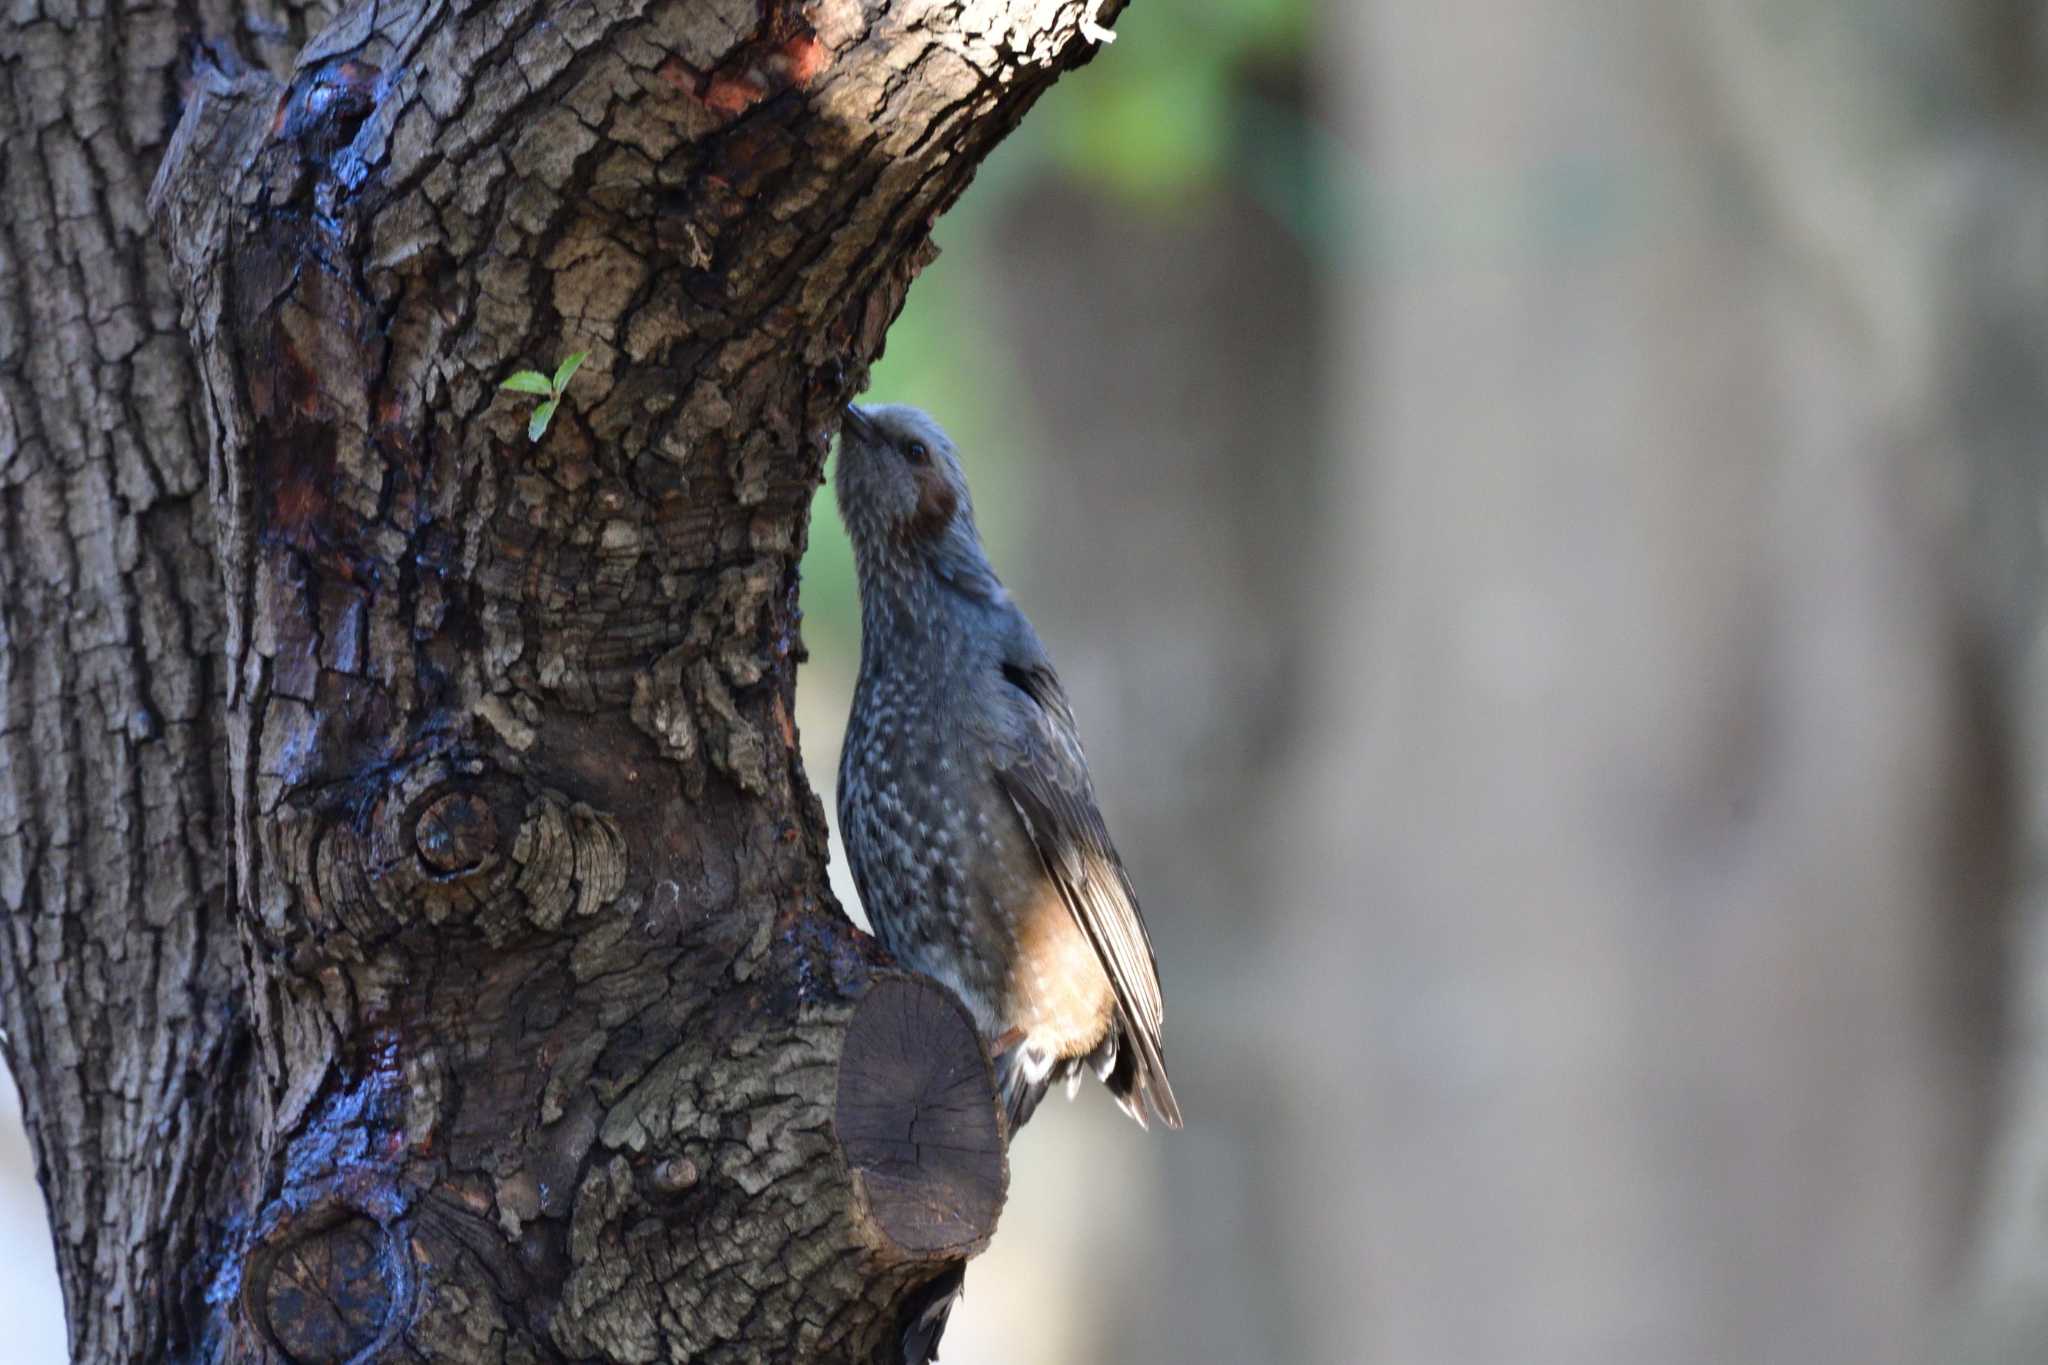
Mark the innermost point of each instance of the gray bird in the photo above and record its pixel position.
(964, 798)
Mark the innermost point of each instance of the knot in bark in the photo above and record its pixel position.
(447, 843)
(330, 1285)
(456, 833)
(324, 106)
(674, 1175)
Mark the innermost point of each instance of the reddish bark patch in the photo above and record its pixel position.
(788, 56)
(298, 475)
(733, 95)
(805, 57)
(680, 74)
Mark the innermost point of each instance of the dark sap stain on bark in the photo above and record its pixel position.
(325, 106)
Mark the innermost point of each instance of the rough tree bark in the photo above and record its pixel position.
(417, 942)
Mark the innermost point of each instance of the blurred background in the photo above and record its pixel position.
(1540, 509)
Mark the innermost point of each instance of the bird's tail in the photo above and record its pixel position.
(1135, 1076)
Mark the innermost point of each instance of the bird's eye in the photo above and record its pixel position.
(918, 453)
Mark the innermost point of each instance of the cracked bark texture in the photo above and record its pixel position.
(417, 945)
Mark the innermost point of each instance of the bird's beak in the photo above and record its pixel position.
(858, 423)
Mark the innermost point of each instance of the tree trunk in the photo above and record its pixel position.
(418, 944)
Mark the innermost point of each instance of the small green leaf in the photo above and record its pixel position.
(566, 369)
(537, 425)
(529, 381)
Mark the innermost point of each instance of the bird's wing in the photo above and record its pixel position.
(1046, 777)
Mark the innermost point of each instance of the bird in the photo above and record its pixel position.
(965, 803)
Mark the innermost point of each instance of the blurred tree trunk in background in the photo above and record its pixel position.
(1173, 585)
(1665, 898)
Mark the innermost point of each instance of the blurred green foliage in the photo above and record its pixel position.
(1158, 120)
(1155, 117)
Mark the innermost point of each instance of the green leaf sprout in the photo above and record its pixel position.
(540, 386)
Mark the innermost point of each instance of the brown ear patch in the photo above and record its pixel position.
(936, 503)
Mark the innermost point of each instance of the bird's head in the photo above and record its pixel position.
(900, 489)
